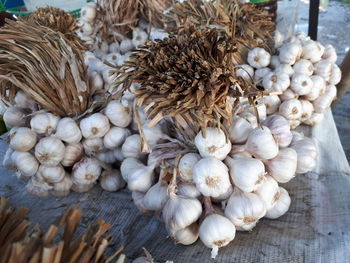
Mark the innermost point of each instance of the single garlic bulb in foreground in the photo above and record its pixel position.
(187, 236)
(239, 130)
(268, 192)
(86, 171)
(111, 180)
(214, 144)
(14, 117)
(94, 126)
(211, 177)
(246, 173)
(23, 100)
(50, 151)
(115, 137)
(118, 113)
(132, 147)
(186, 165)
(73, 153)
(53, 174)
(291, 109)
(93, 146)
(25, 163)
(258, 58)
(307, 154)
(281, 206)
(261, 144)
(156, 196)
(23, 139)
(280, 129)
(63, 187)
(188, 190)
(68, 131)
(44, 123)
(244, 209)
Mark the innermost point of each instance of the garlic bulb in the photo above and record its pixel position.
(330, 54)
(288, 94)
(303, 66)
(246, 173)
(156, 197)
(113, 47)
(72, 154)
(23, 139)
(260, 73)
(137, 198)
(53, 174)
(301, 84)
(307, 154)
(132, 147)
(68, 131)
(323, 102)
(324, 69)
(315, 119)
(37, 187)
(49, 151)
(285, 68)
(278, 39)
(96, 81)
(63, 187)
(186, 165)
(86, 171)
(139, 37)
(118, 154)
(111, 180)
(276, 81)
(297, 136)
(126, 45)
(250, 117)
(214, 144)
(138, 176)
(187, 235)
(88, 12)
(244, 209)
(274, 62)
(268, 191)
(25, 163)
(8, 161)
(106, 157)
(283, 167)
(290, 52)
(14, 117)
(44, 123)
(312, 50)
(153, 134)
(115, 137)
(112, 58)
(94, 126)
(258, 57)
(211, 177)
(272, 102)
(22, 100)
(261, 144)
(335, 76)
(239, 130)
(216, 231)
(92, 146)
(291, 109)
(119, 115)
(280, 129)
(188, 190)
(245, 71)
(307, 109)
(282, 205)
(318, 88)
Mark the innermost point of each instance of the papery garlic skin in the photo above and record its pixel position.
(68, 131)
(276, 81)
(244, 209)
(278, 39)
(25, 163)
(23, 139)
(188, 190)
(214, 144)
(118, 154)
(211, 177)
(44, 123)
(63, 187)
(53, 174)
(280, 129)
(258, 58)
(239, 130)
(132, 147)
(250, 117)
(216, 231)
(72, 154)
(50, 151)
(283, 167)
(93, 146)
(115, 137)
(14, 117)
(153, 134)
(282, 205)
(260, 73)
(268, 191)
(294, 124)
(188, 235)
(156, 197)
(88, 12)
(245, 71)
(111, 180)
(94, 126)
(23, 100)
(119, 115)
(246, 173)
(224, 196)
(186, 165)
(301, 84)
(261, 144)
(86, 171)
(291, 109)
(272, 103)
(307, 155)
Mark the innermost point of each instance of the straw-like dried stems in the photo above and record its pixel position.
(46, 66)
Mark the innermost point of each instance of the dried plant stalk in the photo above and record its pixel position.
(46, 66)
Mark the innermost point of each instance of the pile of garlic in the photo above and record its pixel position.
(302, 74)
(240, 175)
(57, 154)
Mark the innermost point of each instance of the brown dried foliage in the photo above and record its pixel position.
(46, 66)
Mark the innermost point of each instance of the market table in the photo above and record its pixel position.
(315, 229)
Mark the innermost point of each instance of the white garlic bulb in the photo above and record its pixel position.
(96, 81)
(126, 45)
(324, 69)
(63, 187)
(258, 58)
(137, 198)
(303, 66)
(291, 109)
(14, 117)
(106, 157)
(283, 167)
(44, 123)
(72, 154)
(239, 130)
(118, 154)
(111, 180)
(290, 52)
(224, 196)
(138, 176)
(113, 47)
(68, 131)
(187, 235)
(211, 177)
(280, 129)
(246, 173)
(112, 58)
(330, 54)
(317, 89)
(260, 73)
(93, 146)
(25, 163)
(288, 94)
(276, 81)
(281, 206)
(285, 68)
(156, 197)
(272, 102)
(301, 84)
(132, 147)
(268, 191)
(38, 187)
(261, 144)
(94, 126)
(22, 100)
(8, 161)
(312, 50)
(88, 12)
(307, 154)
(307, 109)
(50, 151)
(23, 139)
(216, 231)
(323, 102)
(214, 144)
(274, 62)
(245, 71)
(118, 113)
(244, 209)
(335, 76)
(315, 119)
(139, 37)
(188, 190)
(153, 134)
(115, 137)
(86, 171)
(278, 39)
(52, 174)
(186, 165)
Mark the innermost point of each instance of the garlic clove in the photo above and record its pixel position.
(25, 163)
(187, 236)
(291, 109)
(114, 47)
(272, 102)
(50, 151)
(118, 154)
(94, 126)
(15, 117)
(156, 197)
(72, 154)
(93, 146)
(268, 191)
(63, 187)
(23, 139)
(188, 190)
(44, 123)
(258, 58)
(315, 119)
(68, 131)
(301, 84)
(282, 205)
(280, 129)
(186, 165)
(23, 100)
(261, 144)
(131, 148)
(139, 37)
(86, 172)
(112, 180)
(307, 154)
(52, 174)
(96, 81)
(245, 71)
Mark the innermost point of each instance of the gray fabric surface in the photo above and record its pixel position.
(315, 229)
